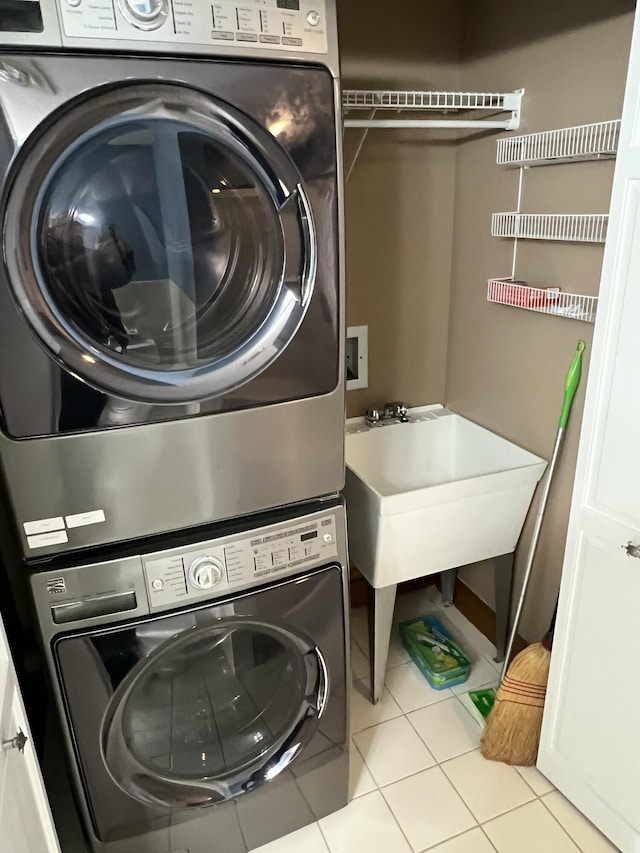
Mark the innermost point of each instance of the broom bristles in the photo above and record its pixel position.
(512, 732)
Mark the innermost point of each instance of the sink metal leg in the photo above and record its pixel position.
(448, 585)
(380, 610)
(503, 579)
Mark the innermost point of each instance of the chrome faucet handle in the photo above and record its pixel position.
(395, 410)
(372, 416)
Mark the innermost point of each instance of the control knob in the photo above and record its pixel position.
(144, 14)
(205, 572)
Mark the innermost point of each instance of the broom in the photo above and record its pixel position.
(512, 732)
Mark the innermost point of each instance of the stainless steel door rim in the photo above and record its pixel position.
(257, 330)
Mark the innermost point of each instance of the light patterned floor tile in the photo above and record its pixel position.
(392, 751)
(534, 778)
(447, 729)
(360, 629)
(489, 788)
(474, 841)
(359, 662)
(482, 674)
(397, 652)
(308, 839)
(410, 605)
(360, 780)
(588, 838)
(410, 688)
(470, 637)
(366, 825)
(428, 808)
(529, 829)
(363, 713)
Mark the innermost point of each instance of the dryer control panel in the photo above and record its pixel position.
(132, 586)
(291, 25)
(236, 562)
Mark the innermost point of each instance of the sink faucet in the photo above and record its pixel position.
(393, 413)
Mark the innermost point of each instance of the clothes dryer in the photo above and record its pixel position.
(171, 311)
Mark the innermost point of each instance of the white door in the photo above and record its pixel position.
(590, 746)
(25, 819)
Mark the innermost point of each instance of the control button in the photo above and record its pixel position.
(221, 35)
(327, 537)
(74, 3)
(313, 18)
(205, 572)
(157, 584)
(246, 37)
(144, 14)
(270, 39)
(289, 40)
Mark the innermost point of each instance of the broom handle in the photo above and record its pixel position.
(533, 547)
(571, 385)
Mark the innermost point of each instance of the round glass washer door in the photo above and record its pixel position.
(214, 713)
(160, 243)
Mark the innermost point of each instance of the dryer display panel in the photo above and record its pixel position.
(20, 16)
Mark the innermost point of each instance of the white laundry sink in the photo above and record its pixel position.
(436, 493)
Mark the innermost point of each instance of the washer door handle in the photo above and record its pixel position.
(300, 268)
(301, 732)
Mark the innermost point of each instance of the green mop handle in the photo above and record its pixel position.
(573, 377)
(571, 386)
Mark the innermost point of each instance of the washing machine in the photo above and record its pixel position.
(202, 687)
(171, 308)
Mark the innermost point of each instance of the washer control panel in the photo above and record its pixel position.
(238, 561)
(292, 25)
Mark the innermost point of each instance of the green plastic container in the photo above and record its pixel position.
(435, 652)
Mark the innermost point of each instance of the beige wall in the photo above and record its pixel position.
(418, 214)
(506, 367)
(399, 202)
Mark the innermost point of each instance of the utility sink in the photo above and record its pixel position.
(429, 496)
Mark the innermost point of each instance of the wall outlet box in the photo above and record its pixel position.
(357, 357)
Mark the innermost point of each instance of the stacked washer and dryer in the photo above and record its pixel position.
(172, 406)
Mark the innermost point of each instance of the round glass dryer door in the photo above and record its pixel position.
(160, 244)
(214, 713)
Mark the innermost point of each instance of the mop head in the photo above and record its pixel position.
(512, 732)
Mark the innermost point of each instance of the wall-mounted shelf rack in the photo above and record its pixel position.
(374, 101)
(572, 227)
(442, 102)
(544, 300)
(598, 141)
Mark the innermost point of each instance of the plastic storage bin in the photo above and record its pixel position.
(438, 656)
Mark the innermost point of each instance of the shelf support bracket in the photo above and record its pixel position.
(360, 144)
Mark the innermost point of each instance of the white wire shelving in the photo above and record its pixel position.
(571, 227)
(597, 141)
(501, 110)
(544, 300)
(374, 100)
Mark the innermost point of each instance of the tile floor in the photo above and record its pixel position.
(418, 780)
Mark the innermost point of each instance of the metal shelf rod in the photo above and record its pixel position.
(430, 123)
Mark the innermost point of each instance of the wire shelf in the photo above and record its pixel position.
(572, 227)
(364, 99)
(373, 100)
(544, 300)
(583, 142)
